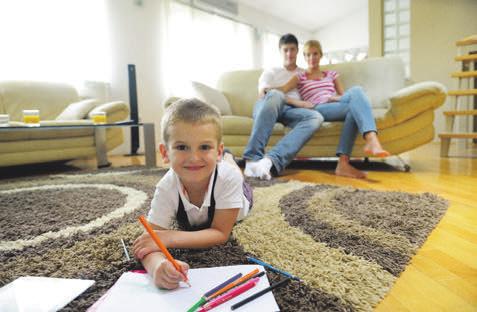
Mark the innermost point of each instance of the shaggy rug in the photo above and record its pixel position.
(347, 245)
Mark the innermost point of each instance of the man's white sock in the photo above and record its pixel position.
(263, 170)
(251, 169)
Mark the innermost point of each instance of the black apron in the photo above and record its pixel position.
(183, 220)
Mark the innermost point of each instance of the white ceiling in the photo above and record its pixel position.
(310, 15)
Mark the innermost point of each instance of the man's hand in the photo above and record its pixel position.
(166, 276)
(144, 244)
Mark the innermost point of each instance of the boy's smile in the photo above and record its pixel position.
(193, 152)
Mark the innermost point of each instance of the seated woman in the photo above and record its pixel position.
(323, 91)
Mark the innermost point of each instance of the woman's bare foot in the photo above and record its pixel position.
(373, 147)
(344, 169)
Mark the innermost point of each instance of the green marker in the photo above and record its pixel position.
(196, 305)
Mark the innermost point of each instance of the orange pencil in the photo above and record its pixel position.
(162, 247)
(233, 284)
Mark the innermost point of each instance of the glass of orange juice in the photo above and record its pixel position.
(99, 118)
(31, 117)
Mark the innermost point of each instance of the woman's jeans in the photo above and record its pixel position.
(270, 109)
(354, 109)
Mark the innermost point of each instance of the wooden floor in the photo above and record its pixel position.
(442, 276)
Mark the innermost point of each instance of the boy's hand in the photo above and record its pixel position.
(166, 276)
(144, 245)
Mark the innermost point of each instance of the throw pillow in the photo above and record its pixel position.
(77, 110)
(211, 96)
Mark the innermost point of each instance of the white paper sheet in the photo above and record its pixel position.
(136, 292)
(38, 294)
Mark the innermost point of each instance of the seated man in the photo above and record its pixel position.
(275, 106)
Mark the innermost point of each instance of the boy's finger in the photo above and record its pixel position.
(185, 266)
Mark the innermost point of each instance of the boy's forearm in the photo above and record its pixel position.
(197, 239)
(152, 260)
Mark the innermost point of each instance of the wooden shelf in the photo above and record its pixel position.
(462, 92)
(466, 57)
(467, 41)
(464, 74)
(458, 135)
(463, 113)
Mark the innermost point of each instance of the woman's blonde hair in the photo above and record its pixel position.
(313, 44)
(190, 111)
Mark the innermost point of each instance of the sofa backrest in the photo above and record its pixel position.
(379, 77)
(50, 98)
(241, 90)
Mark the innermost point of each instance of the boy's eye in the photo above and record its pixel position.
(181, 147)
(205, 147)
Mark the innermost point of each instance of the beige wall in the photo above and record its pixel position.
(435, 27)
(375, 25)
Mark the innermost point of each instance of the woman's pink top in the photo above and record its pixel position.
(317, 91)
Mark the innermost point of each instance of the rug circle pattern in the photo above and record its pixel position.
(347, 245)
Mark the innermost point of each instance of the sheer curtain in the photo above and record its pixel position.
(200, 46)
(54, 40)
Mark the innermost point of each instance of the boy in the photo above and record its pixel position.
(203, 195)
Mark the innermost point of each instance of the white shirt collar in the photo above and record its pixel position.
(185, 197)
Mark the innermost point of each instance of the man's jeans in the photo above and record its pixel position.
(355, 110)
(271, 109)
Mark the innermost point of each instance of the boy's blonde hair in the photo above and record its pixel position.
(313, 44)
(190, 111)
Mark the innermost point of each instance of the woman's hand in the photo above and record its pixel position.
(334, 98)
(306, 104)
(166, 276)
(144, 244)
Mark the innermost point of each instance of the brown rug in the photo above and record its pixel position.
(347, 245)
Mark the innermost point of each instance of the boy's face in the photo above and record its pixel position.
(192, 151)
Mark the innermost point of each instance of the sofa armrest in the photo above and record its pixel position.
(115, 111)
(415, 99)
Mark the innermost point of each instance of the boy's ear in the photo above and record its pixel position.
(220, 150)
(164, 153)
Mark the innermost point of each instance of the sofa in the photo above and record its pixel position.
(404, 114)
(58, 104)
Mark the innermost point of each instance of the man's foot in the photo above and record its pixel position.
(373, 146)
(344, 169)
(258, 169)
(263, 168)
(251, 168)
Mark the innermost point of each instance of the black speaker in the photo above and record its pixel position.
(133, 108)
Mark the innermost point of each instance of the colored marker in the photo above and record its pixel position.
(233, 284)
(250, 259)
(260, 293)
(231, 294)
(162, 247)
(218, 287)
(203, 299)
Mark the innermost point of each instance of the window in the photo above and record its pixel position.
(397, 30)
(342, 56)
(201, 46)
(54, 40)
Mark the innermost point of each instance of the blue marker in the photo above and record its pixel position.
(250, 259)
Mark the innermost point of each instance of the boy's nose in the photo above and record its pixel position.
(195, 154)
